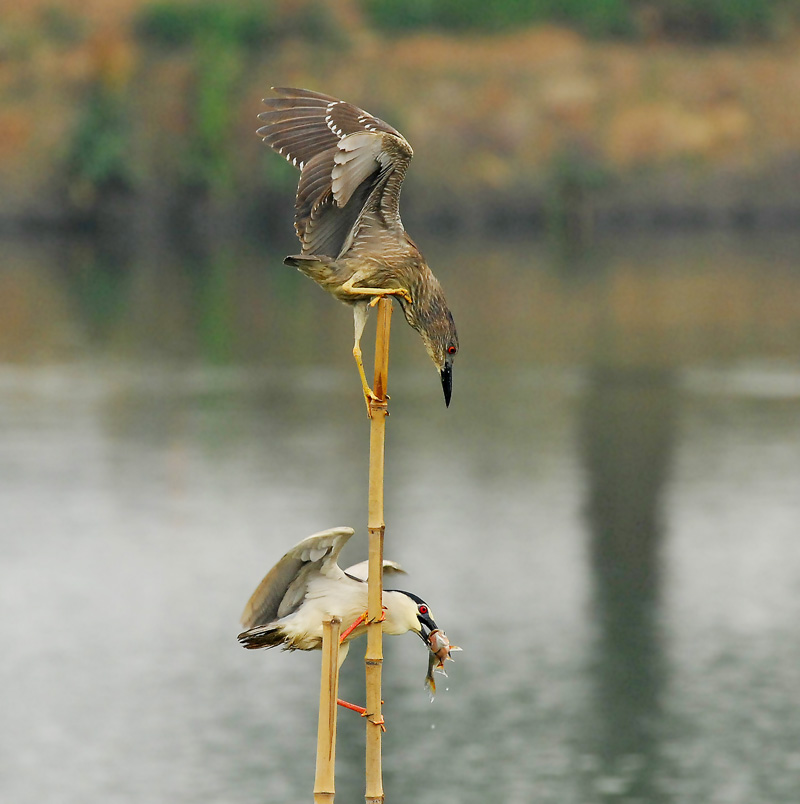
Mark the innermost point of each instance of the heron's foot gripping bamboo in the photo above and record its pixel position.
(363, 712)
(402, 292)
(376, 293)
(381, 722)
(371, 398)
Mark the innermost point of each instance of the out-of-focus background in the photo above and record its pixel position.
(606, 518)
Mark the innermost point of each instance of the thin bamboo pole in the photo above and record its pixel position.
(326, 728)
(376, 526)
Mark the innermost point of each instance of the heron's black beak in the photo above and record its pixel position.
(447, 382)
(426, 622)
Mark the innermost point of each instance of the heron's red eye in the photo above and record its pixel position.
(423, 609)
(451, 350)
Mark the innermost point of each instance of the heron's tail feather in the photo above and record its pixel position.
(316, 268)
(262, 636)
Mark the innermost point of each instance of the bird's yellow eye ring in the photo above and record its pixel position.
(451, 350)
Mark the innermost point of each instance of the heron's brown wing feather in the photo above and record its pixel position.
(301, 123)
(327, 230)
(352, 165)
(283, 588)
(348, 196)
(378, 228)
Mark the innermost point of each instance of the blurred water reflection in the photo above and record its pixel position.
(606, 520)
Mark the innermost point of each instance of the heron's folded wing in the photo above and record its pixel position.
(283, 588)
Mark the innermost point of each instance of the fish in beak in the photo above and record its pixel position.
(440, 649)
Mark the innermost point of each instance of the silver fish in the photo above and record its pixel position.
(440, 648)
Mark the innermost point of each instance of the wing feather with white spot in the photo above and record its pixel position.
(352, 166)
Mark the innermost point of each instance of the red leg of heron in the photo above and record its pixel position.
(346, 633)
(362, 711)
(355, 707)
(362, 620)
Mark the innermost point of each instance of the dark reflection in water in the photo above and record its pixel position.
(629, 431)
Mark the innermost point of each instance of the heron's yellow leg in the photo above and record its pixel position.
(369, 394)
(376, 293)
(360, 312)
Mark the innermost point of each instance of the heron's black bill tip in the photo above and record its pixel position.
(447, 383)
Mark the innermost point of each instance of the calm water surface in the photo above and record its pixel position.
(606, 519)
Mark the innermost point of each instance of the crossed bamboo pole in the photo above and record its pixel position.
(373, 659)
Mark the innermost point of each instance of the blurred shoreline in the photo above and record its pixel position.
(104, 125)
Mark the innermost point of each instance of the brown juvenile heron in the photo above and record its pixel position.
(347, 217)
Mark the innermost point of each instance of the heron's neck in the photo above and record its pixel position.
(401, 613)
(428, 299)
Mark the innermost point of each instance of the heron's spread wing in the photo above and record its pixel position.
(284, 587)
(360, 571)
(352, 166)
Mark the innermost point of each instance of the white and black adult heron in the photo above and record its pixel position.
(352, 165)
(307, 586)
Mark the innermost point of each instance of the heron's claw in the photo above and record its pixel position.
(370, 397)
(381, 722)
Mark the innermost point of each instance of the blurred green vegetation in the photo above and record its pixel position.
(207, 162)
(597, 16)
(63, 26)
(223, 39)
(722, 20)
(251, 24)
(699, 20)
(98, 155)
(162, 105)
(172, 24)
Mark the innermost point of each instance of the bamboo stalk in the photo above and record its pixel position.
(326, 728)
(376, 526)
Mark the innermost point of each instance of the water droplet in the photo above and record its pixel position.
(433, 725)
